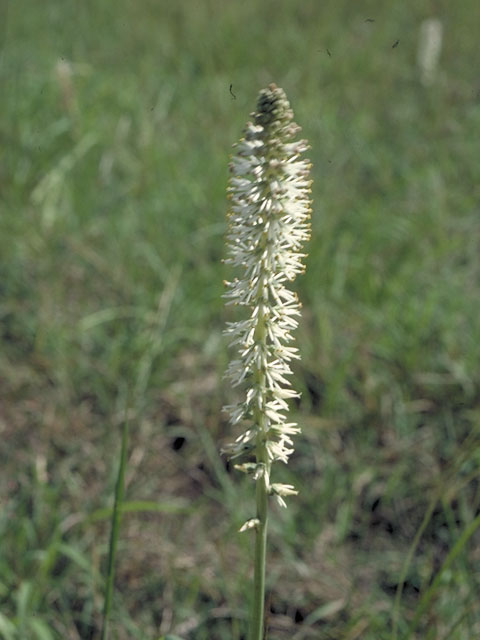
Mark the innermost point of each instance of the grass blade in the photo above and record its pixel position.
(430, 592)
(114, 533)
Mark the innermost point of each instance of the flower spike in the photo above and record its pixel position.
(269, 221)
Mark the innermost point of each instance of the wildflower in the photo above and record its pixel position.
(269, 221)
(268, 224)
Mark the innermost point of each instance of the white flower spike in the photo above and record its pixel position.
(269, 221)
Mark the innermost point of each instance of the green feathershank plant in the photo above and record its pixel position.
(269, 221)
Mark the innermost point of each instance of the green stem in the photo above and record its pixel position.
(407, 563)
(114, 533)
(258, 607)
(260, 561)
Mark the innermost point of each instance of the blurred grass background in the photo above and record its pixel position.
(116, 123)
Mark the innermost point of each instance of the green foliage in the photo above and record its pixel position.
(116, 122)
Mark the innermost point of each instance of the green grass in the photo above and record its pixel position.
(112, 217)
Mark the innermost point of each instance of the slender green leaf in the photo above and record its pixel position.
(138, 506)
(23, 600)
(7, 628)
(115, 530)
(76, 556)
(40, 629)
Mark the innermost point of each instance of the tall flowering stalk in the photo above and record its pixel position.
(268, 224)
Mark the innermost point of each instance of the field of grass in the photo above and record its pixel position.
(116, 123)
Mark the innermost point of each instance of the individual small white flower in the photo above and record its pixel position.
(249, 524)
(269, 221)
(282, 490)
